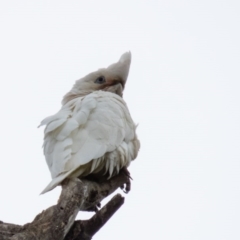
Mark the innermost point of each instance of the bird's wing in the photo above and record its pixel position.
(85, 129)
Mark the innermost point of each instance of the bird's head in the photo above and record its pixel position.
(111, 79)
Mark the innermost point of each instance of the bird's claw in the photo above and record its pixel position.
(127, 185)
(95, 208)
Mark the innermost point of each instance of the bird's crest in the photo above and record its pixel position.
(121, 68)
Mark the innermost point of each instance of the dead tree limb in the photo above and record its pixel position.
(84, 230)
(58, 221)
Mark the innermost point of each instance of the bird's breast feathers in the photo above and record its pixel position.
(89, 134)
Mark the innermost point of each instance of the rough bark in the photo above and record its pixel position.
(58, 221)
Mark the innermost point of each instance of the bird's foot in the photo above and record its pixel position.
(127, 186)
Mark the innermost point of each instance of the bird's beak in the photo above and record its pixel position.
(121, 68)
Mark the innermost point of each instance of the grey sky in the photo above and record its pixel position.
(183, 90)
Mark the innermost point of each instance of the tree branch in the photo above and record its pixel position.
(84, 230)
(56, 221)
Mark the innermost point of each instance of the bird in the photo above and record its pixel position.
(93, 133)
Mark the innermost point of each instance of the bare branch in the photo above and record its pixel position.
(56, 221)
(84, 230)
(7, 230)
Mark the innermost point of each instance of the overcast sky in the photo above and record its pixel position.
(183, 90)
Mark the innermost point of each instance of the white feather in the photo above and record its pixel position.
(90, 127)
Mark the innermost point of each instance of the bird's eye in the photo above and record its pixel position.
(100, 80)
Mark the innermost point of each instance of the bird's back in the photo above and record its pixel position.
(89, 135)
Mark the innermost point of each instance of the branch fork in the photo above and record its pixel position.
(58, 221)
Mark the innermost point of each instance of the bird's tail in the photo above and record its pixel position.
(55, 182)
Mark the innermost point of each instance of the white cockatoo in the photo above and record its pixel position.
(93, 133)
